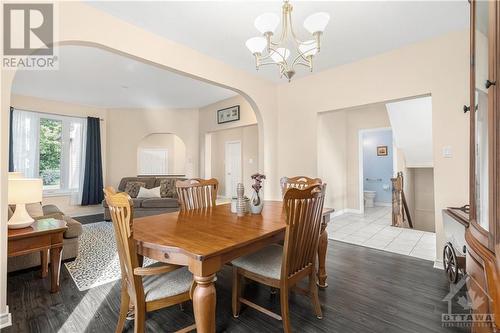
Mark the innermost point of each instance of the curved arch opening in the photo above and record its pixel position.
(161, 154)
(126, 125)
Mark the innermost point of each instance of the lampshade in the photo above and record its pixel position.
(24, 190)
(280, 54)
(15, 175)
(256, 44)
(316, 22)
(267, 22)
(308, 48)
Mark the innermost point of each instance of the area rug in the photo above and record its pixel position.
(97, 262)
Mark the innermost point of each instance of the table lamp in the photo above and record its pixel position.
(22, 191)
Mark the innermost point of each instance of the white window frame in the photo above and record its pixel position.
(65, 148)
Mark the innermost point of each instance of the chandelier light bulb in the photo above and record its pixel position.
(316, 23)
(256, 44)
(280, 55)
(267, 23)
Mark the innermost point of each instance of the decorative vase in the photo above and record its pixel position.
(256, 204)
(241, 205)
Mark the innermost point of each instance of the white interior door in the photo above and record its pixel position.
(233, 167)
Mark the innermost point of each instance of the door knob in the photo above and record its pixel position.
(490, 83)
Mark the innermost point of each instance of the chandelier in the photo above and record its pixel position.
(277, 52)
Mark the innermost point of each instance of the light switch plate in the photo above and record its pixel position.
(447, 152)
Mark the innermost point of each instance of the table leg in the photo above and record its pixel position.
(55, 268)
(322, 247)
(204, 303)
(44, 260)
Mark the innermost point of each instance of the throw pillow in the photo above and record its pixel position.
(149, 193)
(132, 188)
(167, 188)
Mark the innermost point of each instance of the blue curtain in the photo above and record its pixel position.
(92, 182)
(11, 142)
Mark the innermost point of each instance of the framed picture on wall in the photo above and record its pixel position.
(381, 150)
(228, 114)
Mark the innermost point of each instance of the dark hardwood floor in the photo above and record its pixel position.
(369, 291)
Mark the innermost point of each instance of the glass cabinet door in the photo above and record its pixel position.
(481, 50)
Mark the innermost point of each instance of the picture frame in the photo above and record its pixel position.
(228, 114)
(382, 151)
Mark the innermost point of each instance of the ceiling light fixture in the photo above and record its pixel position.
(269, 52)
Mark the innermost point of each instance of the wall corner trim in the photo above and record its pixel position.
(5, 318)
(438, 264)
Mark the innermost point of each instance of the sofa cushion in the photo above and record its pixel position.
(137, 203)
(74, 228)
(160, 203)
(149, 181)
(132, 188)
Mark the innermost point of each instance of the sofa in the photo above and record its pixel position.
(150, 206)
(71, 237)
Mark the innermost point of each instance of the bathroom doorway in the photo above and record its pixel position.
(376, 168)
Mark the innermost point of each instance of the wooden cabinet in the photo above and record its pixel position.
(483, 234)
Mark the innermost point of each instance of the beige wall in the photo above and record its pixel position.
(128, 127)
(423, 199)
(208, 124)
(247, 135)
(437, 66)
(338, 151)
(175, 147)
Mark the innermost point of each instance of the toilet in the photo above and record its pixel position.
(369, 198)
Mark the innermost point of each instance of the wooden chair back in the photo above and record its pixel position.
(299, 182)
(303, 209)
(121, 209)
(197, 193)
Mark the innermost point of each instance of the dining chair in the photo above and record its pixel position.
(282, 267)
(297, 182)
(144, 289)
(197, 193)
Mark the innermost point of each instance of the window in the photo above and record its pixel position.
(50, 153)
(153, 161)
(50, 147)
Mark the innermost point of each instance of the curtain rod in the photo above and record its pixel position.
(50, 113)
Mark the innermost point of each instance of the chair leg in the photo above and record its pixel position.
(285, 313)
(236, 294)
(313, 293)
(124, 305)
(140, 318)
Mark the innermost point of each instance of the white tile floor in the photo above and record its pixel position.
(373, 229)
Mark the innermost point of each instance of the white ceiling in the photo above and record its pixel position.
(411, 122)
(94, 77)
(357, 29)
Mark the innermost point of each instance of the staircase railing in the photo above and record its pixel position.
(400, 211)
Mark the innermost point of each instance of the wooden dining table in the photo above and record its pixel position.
(206, 239)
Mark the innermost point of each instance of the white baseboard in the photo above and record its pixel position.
(353, 211)
(438, 265)
(383, 204)
(5, 318)
(337, 213)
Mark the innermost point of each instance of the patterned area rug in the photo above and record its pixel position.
(97, 262)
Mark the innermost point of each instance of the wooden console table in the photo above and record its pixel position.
(42, 236)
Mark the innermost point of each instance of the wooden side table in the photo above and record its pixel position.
(43, 236)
